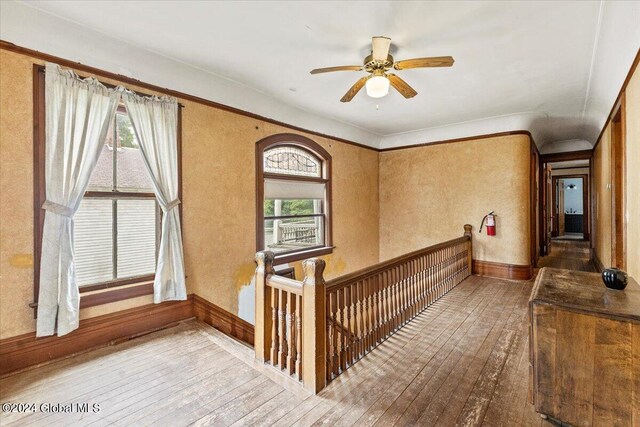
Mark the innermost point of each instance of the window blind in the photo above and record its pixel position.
(291, 190)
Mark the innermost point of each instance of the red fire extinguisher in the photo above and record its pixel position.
(491, 224)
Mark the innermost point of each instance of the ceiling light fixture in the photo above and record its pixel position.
(377, 85)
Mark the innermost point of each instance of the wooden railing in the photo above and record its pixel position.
(365, 307)
(314, 331)
(290, 326)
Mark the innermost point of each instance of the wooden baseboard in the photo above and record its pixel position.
(597, 263)
(502, 271)
(26, 350)
(221, 319)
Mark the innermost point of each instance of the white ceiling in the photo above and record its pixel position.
(519, 65)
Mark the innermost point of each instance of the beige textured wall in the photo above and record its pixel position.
(633, 174)
(218, 201)
(428, 193)
(602, 193)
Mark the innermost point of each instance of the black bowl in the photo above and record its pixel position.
(614, 278)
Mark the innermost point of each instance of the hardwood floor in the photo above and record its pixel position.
(568, 254)
(464, 361)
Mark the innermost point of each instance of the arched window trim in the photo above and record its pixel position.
(304, 143)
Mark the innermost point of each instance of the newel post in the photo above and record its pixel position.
(262, 335)
(313, 326)
(467, 232)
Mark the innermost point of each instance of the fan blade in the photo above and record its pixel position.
(354, 89)
(401, 86)
(380, 47)
(435, 61)
(340, 68)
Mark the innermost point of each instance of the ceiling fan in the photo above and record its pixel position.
(378, 65)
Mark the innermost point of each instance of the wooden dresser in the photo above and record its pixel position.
(585, 349)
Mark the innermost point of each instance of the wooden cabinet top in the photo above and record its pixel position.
(586, 293)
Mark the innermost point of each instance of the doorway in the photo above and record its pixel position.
(618, 202)
(555, 168)
(570, 215)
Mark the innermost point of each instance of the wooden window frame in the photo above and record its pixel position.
(304, 143)
(99, 293)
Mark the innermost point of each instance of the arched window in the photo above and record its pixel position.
(293, 197)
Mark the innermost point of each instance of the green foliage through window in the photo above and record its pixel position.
(289, 207)
(125, 132)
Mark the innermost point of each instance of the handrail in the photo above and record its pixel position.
(285, 284)
(363, 273)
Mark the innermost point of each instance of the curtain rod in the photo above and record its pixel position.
(41, 69)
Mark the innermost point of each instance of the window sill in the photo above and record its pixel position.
(112, 295)
(297, 256)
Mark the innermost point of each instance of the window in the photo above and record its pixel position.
(116, 232)
(293, 197)
(117, 226)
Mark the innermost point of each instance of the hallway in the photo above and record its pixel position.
(463, 361)
(568, 254)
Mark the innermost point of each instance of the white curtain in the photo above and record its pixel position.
(155, 122)
(78, 114)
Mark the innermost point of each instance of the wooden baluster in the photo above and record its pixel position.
(445, 263)
(418, 272)
(414, 288)
(423, 283)
(446, 270)
(299, 337)
(398, 294)
(348, 333)
(429, 276)
(405, 292)
(427, 280)
(274, 327)
(387, 302)
(372, 310)
(363, 311)
(469, 259)
(282, 343)
(441, 270)
(291, 329)
(379, 311)
(409, 290)
(356, 321)
(375, 337)
(383, 304)
(398, 297)
(392, 300)
(342, 336)
(440, 274)
(355, 353)
(434, 277)
(382, 282)
(329, 338)
(367, 319)
(418, 267)
(423, 275)
(365, 298)
(334, 342)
